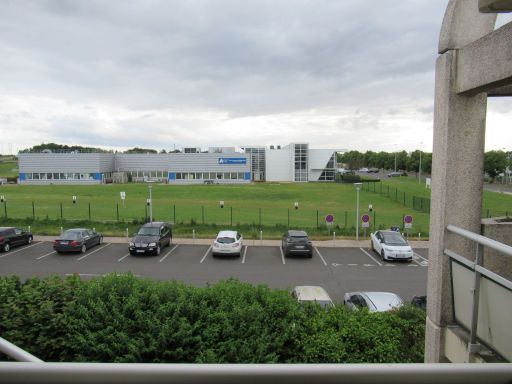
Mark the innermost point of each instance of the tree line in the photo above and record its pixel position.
(386, 160)
(495, 162)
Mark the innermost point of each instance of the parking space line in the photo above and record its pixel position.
(168, 253)
(421, 257)
(369, 265)
(245, 252)
(370, 256)
(352, 265)
(122, 258)
(90, 253)
(206, 254)
(319, 254)
(21, 249)
(282, 255)
(48, 254)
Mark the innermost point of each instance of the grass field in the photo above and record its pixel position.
(267, 206)
(8, 168)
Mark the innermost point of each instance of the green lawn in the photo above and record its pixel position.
(8, 168)
(269, 206)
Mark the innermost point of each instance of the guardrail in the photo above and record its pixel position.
(81, 373)
(467, 277)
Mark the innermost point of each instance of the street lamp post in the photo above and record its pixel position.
(150, 205)
(358, 186)
(419, 169)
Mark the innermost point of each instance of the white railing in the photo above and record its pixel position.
(470, 296)
(81, 373)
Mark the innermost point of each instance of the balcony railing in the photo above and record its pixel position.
(482, 299)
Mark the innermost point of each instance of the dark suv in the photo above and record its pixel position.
(10, 237)
(297, 242)
(151, 238)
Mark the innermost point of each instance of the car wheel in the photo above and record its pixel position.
(83, 249)
(7, 247)
(132, 253)
(383, 255)
(100, 240)
(29, 239)
(371, 246)
(169, 242)
(157, 250)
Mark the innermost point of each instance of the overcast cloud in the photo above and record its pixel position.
(166, 74)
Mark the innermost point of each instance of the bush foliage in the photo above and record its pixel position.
(120, 318)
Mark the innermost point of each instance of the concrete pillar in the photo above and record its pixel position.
(457, 167)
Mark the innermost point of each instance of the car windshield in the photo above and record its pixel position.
(149, 231)
(225, 240)
(70, 235)
(394, 239)
(298, 238)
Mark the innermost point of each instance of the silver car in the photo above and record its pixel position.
(374, 301)
(391, 245)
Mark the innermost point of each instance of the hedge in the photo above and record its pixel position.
(121, 318)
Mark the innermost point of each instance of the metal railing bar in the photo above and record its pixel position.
(82, 373)
(483, 271)
(460, 259)
(493, 244)
(495, 277)
(16, 352)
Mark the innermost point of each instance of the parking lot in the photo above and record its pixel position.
(337, 269)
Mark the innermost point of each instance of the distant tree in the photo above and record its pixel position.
(370, 159)
(140, 150)
(495, 162)
(163, 151)
(353, 159)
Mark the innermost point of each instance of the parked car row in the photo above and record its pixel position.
(354, 301)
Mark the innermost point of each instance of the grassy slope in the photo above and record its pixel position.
(8, 168)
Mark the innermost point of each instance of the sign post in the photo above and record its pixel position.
(408, 223)
(365, 222)
(329, 219)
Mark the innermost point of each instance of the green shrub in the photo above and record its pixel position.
(119, 318)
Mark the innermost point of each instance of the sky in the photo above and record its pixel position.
(340, 74)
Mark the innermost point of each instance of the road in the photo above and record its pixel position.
(337, 269)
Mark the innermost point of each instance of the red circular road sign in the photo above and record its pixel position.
(408, 219)
(365, 218)
(329, 218)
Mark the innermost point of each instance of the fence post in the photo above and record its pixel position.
(231, 213)
(174, 213)
(117, 209)
(61, 216)
(317, 219)
(202, 213)
(288, 218)
(345, 220)
(33, 211)
(5, 209)
(89, 211)
(260, 218)
(374, 222)
(404, 199)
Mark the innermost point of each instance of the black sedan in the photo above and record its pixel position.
(296, 242)
(11, 237)
(77, 240)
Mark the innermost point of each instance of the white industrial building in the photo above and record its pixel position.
(224, 165)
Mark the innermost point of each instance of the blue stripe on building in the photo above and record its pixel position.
(172, 175)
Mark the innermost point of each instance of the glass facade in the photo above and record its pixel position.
(58, 176)
(257, 163)
(301, 162)
(328, 174)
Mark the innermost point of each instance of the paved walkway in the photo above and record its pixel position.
(323, 243)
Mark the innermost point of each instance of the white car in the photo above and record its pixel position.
(227, 243)
(312, 294)
(374, 301)
(391, 245)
